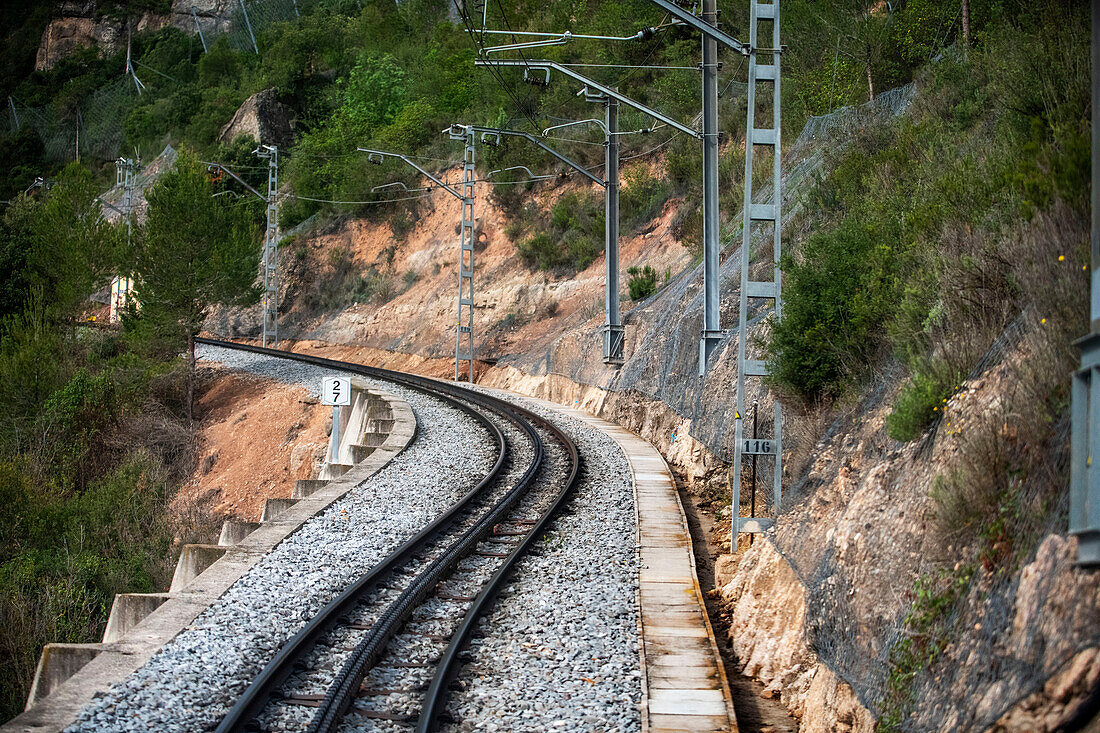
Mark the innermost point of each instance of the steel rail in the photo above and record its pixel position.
(266, 684)
(342, 691)
(435, 699)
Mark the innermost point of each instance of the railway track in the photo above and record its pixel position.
(389, 646)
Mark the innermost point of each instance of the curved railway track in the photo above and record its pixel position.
(475, 543)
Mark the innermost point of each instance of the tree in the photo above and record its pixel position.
(75, 250)
(193, 252)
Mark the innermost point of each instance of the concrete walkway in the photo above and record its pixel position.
(685, 684)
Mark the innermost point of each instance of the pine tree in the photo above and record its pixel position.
(193, 252)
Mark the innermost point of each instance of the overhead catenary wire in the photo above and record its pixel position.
(381, 200)
(632, 66)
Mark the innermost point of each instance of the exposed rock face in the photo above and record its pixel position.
(213, 16)
(67, 35)
(817, 603)
(78, 28)
(261, 118)
(1059, 702)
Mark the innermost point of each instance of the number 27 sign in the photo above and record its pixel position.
(336, 391)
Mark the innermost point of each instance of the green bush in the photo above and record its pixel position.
(920, 401)
(838, 295)
(539, 250)
(641, 198)
(911, 245)
(571, 238)
(64, 556)
(642, 282)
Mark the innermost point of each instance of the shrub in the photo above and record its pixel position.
(571, 238)
(642, 282)
(582, 249)
(921, 400)
(837, 297)
(641, 198)
(539, 250)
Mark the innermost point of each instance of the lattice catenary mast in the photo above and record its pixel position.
(271, 246)
(121, 285)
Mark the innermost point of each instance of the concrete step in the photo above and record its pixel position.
(379, 412)
(274, 507)
(380, 425)
(335, 470)
(360, 453)
(128, 610)
(58, 663)
(235, 530)
(193, 560)
(373, 439)
(307, 487)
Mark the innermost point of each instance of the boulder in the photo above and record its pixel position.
(262, 118)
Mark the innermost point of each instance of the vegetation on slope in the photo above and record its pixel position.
(949, 244)
(912, 249)
(96, 435)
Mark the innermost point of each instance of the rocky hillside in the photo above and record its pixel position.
(920, 575)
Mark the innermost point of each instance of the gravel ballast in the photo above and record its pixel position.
(561, 648)
(558, 651)
(191, 682)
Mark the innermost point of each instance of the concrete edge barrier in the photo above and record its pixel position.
(193, 560)
(235, 530)
(128, 610)
(305, 487)
(274, 507)
(74, 673)
(360, 453)
(58, 663)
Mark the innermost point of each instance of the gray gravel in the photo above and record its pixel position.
(559, 650)
(190, 683)
(332, 653)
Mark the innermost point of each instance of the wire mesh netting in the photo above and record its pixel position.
(96, 126)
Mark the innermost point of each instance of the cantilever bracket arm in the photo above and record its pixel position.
(687, 17)
(543, 146)
(219, 166)
(383, 154)
(605, 91)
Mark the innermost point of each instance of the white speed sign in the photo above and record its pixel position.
(336, 391)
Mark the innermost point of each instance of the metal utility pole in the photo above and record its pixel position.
(768, 290)
(611, 230)
(613, 331)
(271, 246)
(712, 331)
(270, 153)
(248, 25)
(198, 28)
(1084, 496)
(712, 36)
(466, 261)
